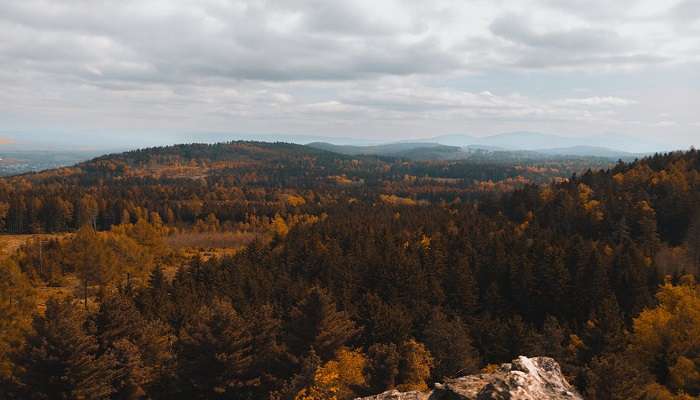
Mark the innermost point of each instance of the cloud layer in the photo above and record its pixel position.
(366, 68)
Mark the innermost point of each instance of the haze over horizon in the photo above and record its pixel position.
(137, 73)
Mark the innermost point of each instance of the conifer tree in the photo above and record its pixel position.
(316, 322)
(270, 357)
(154, 300)
(462, 288)
(215, 353)
(615, 376)
(630, 278)
(116, 319)
(384, 366)
(60, 359)
(450, 344)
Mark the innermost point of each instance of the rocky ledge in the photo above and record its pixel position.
(537, 378)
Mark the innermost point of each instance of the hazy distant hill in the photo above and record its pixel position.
(434, 151)
(535, 141)
(589, 151)
(413, 151)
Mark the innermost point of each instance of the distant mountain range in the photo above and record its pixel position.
(445, 147)
(437, 151)
(413, 151)
(538, 141)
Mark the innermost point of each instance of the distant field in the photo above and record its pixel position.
(10, 243)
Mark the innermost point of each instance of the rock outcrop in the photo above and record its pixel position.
(537, 378)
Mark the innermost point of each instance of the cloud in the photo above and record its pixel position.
(305, 65)
(664, 124)
(599, 101)
(578, 47)
(187, 41)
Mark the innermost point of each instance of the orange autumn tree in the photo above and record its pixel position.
(666, 341)
(339, 378)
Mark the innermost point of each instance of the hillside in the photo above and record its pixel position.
(186, 183)
(286, 272)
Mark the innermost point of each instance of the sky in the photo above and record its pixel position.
(107, 73)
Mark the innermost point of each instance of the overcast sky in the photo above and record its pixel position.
(101, 71)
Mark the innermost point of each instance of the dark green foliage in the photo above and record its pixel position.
(61, 359)
(316, 323)
(384, 367)
(449, 343)
(614, 377)
(216, 354)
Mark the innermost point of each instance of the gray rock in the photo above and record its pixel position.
(537, 378)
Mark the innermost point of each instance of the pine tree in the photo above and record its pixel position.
(154, 301)
(270, 357)
(60, 359)
(215, 353)
(384, 366)
(315, 322)
(449, 343)
(605, 331)
(385, 323)
(116, 319)
(132, 373)
(630, 277)
(615, 376)
(462, 288)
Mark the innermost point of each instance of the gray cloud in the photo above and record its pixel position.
(572, 47)
(305, 65)
(256, 40)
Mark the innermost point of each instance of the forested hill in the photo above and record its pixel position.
(185, 183)
(658, 195)
(357, 275)
(242, 151)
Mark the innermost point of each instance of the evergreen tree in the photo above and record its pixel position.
(132, 375)
(154, 300)
(60, 360)
(462, 288)
(614, 376)
(384, 366)
(450, 344)
(316, 322)
(630, 277)
(116, 319)
(385, 323)
(270, 357)
(215, 353)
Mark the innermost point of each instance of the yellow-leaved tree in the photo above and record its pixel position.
(339, 378)
(666, 342)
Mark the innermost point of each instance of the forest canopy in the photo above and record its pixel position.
(272, 271)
